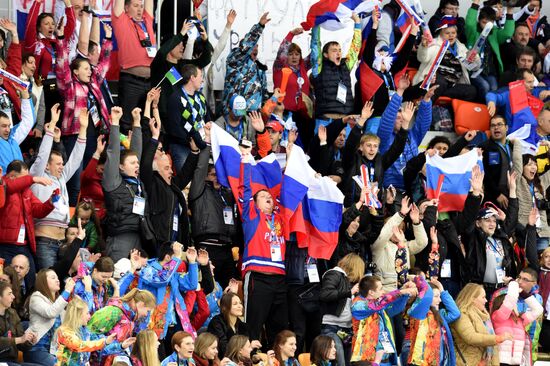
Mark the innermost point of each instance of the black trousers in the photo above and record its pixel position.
(132, 93)
(265, 298)
(222, 258)
(306, 325)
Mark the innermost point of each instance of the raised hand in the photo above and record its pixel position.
(202, 257)
(116, 115)
(469, 136)
(399, 235)
(231, 18)
(81, 232)
(403, 83)
(100, 145)
(108, 30)
(265, 19)
(187, 25)
(297, 31)
(191, 255)
(433, 234)
(257, 121)
(430, 93)
(476, 181)
(322, 133)
(407, 114)
(56, 113)
(155, 128)
(60, 29)
(136, 116)
(69, 285)
(367, 111)
(414, 214)
(8, 25)
(405, 207)
(533, 216)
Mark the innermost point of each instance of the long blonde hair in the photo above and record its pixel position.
(146, 349)
(74, 313)
(354, 266)
(466, 297)
(138, 295)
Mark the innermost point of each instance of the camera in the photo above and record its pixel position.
(145, 42)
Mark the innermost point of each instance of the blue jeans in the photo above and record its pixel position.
(46, 251)
(484, 84)
(40, 357)
(343, 352)
(405, 350)
(179, 154)
(8, 251)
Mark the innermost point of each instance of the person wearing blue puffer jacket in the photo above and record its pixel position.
(390, 124)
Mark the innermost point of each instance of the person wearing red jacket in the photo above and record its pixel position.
(21, 207)
(90, 179)
(13, 66)
(40, 41)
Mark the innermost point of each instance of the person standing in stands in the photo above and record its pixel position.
(50, 231)
(497, 162)
(245, 75)
(125, 195)
(331, 75)
(40, 41)
(133, 26)
(214, 218)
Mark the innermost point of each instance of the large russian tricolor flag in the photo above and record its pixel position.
(524, 123)
(315, 217)
(449, 179)
(266, 173)
(332, 13)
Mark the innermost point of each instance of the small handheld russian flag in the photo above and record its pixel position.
(435, 65)
(14, 79)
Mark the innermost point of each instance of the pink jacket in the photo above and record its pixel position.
(511, 352)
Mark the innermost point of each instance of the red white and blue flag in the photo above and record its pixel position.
(266, 173)
(311, 206)
(524, 124)
(449, 179)
(331, 14)
(435, 65)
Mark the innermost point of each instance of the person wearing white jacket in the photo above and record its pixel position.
(46, 308)
(50, 231)
(392, 253)
(452, 75)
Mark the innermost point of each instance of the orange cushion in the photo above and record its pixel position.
(470, 116)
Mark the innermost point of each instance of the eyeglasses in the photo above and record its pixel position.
(523, 279)
(497, 124)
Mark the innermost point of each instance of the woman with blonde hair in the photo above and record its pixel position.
(206, 350)
(145, 351)
(74, 339)
(338, 285)
(120, 317)
(475, 340)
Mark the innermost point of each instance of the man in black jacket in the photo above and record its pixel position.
(485, 234)
(497, 162)
(214, 221)
(363, 150)
(167, 206)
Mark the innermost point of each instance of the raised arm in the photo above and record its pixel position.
(111, 174)
(118, 8)
(136, 143)
(27, 118)
(84, 33)
(73, 164)
(316, 56)
(39, 166)
(149, 7)
(353, 53)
